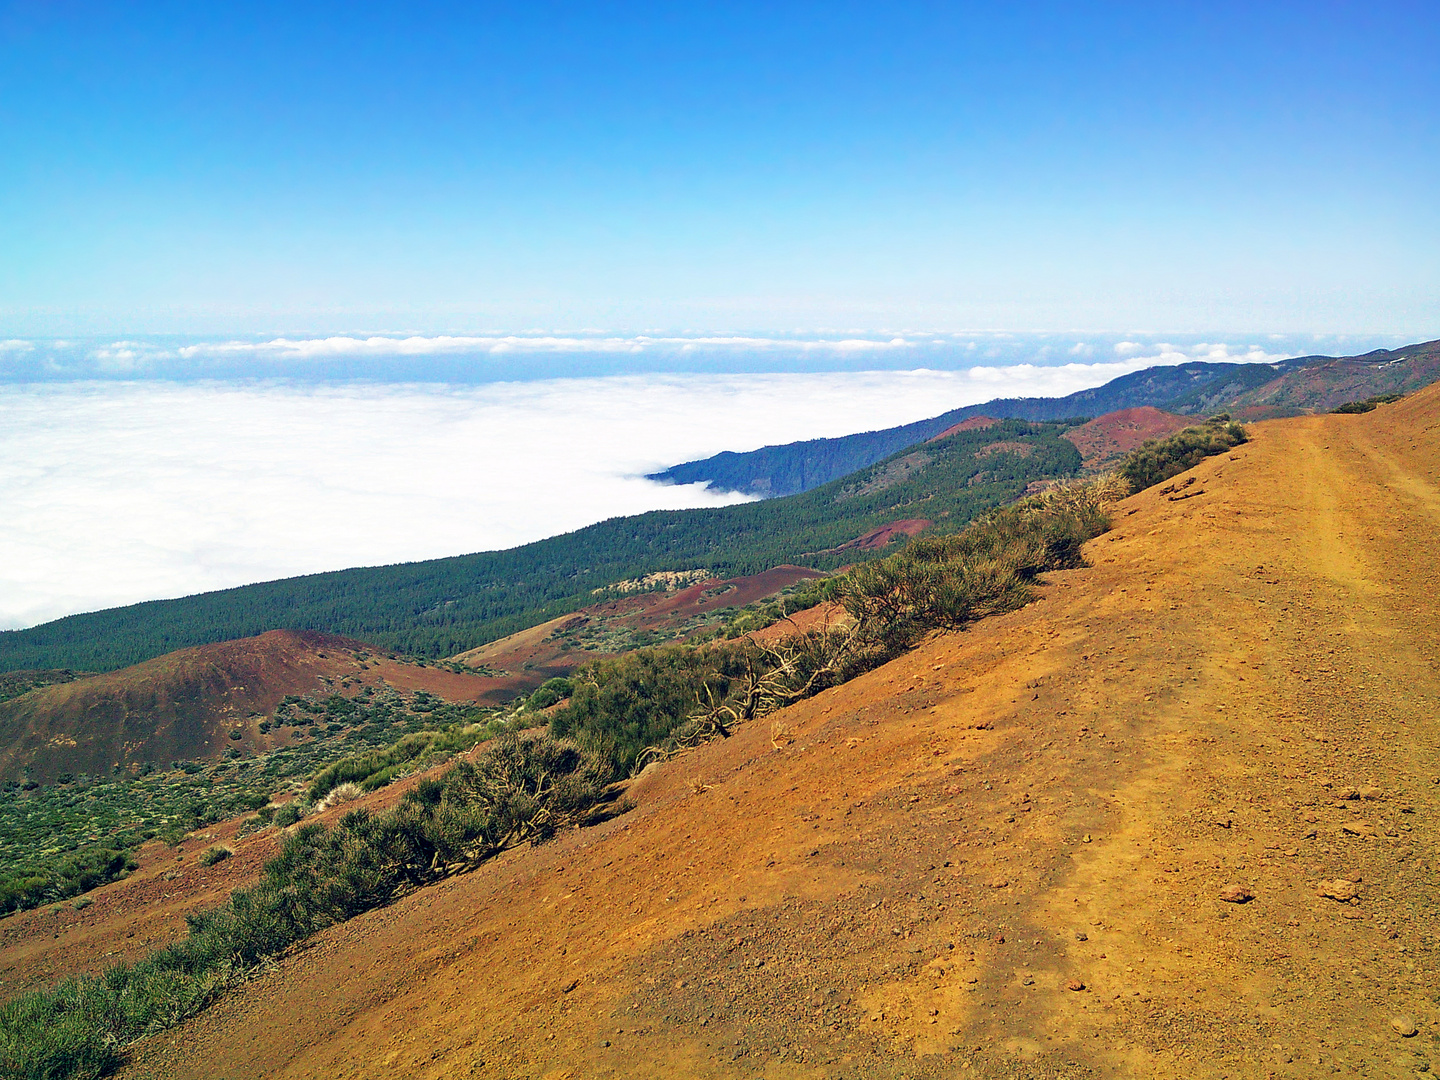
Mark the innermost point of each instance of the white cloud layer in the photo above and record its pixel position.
(125, 491)
(473, 358)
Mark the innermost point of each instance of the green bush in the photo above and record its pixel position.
(550, 692)
(76, 874)
(376, 768)
(1159, 459)
(1368, 404)
(212, 855)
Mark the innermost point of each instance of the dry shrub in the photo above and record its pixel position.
(341, 793)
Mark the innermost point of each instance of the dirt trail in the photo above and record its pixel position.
(913, 874)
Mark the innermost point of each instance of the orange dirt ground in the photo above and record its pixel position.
(1002, 855)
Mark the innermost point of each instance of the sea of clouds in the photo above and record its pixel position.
(116, 490)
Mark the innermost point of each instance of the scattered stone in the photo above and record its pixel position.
(999, 883)
(1370, 793)
(572, 985)
(1074, 984)
(1359, 828)
(1404, 1025)
(1086, 838)
(1080, 935)
(1340, 889)
(1236, 894)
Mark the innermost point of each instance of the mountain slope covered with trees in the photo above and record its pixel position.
(443, 606)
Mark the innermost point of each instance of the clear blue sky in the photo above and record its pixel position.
(305, 167)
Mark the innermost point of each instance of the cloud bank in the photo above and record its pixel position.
(474, 358)
(125, 491)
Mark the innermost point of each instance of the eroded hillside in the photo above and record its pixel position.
(197, 703)
(1013, 852)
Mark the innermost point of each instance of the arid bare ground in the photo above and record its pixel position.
(1004, 855)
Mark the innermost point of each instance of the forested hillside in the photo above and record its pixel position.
(441, 607)
(1307, 383)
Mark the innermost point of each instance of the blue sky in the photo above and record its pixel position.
(306, 168)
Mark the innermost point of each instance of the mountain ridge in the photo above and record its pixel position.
(1196, 387)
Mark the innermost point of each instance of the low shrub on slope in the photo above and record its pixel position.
(1160, 459)
(649, 703)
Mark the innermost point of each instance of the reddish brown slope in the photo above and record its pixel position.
(184, 705)
(906, 875)
(965, 425)
(1114, 434)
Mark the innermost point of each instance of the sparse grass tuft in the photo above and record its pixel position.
(346, 792)
(217, 854)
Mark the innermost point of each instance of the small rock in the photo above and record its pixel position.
(1404, 1025)
(1236, 894)
(1086, 838)
(1080, 935)
(1074, 984)
(1370, 793)
(1359, 828)
(999, 883)
(1340, 889)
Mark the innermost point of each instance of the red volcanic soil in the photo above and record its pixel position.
(876, 539)
(1118, 433)
(184, 705)
(545, 651)
(972, 424)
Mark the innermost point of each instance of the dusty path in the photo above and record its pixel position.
(902, 876)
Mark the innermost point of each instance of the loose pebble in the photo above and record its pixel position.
(1341, 889)
(1236, 894)
(1404, 1025)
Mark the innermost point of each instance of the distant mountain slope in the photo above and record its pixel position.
(620, 622)
(799, 466)
(1290, 387)
(1321, 386)
(195, 703)
(445, 606)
